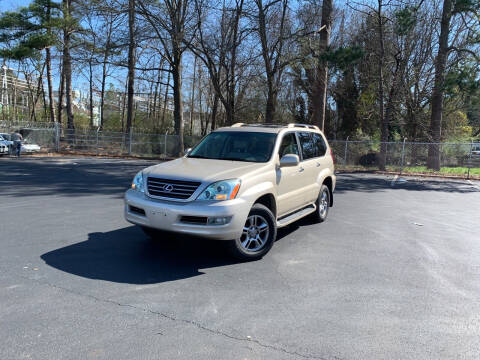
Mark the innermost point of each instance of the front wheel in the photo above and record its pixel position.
(323, 203)
(259, 234)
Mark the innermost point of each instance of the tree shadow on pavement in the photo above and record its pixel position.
(67, 177)
(128, 256)
(365, 182)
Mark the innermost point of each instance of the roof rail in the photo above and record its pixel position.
(308, 126)
(270, 125)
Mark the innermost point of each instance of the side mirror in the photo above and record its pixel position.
(289, 160)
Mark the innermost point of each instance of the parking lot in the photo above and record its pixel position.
(394, 273)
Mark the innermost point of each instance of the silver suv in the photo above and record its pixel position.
(238, 184)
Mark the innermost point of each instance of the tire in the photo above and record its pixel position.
(323, 204)
(260, 232)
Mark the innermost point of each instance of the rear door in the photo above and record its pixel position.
(309, 165)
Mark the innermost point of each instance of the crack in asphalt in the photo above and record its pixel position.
(185, 321)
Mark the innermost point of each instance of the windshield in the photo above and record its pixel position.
(235, 145)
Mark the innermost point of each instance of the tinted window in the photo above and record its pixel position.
(308, 147)
(320, 146)
(235, 145)
(288, 145)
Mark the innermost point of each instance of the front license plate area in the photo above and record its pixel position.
(160, 215)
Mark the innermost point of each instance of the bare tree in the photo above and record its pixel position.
(274, 30)
(173, 23)
(320, 97)
(67, 63)
(217, 44)
(131, 65)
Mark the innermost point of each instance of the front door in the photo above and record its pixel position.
(290, 180)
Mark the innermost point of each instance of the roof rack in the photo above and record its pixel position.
(270, 125)
(308, 126)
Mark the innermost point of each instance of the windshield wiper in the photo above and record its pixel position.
(199, 157)
(235, 159)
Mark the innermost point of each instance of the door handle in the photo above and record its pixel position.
(301, 169)
(318, 164)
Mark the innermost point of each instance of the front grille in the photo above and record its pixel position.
(175, 189)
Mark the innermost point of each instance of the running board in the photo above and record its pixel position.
(285, 220)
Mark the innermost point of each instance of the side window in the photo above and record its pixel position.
(288, 145)
(308, 147)
(320, 146)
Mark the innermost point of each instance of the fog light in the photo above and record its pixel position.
(220, 220)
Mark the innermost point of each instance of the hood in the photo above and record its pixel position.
(205, 170)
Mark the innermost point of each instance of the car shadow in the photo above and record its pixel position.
(128, 256)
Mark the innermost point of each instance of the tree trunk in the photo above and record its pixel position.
(131, 65)
(437, 95)
(192, 99)
(322, 70)
(158, 90)
(383, 121)
(49, 85)
(165, 101)
(214, 112)
(270, 106)
(37, 94)
(61, 87)
(67, 69)
(90, 82)
(177, 101)
(49, 72)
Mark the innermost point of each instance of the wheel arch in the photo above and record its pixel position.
(268, 200)
(328, 181)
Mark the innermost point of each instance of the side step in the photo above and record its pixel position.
(288, 219)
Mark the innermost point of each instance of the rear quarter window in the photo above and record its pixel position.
(319, 145)
(307, 145)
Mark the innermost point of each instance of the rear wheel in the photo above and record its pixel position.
(258, 236)
(322, 203)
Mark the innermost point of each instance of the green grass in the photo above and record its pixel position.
(443, 170)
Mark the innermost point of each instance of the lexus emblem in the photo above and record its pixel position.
(168, 188)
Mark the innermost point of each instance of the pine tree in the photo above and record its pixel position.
(31, 30)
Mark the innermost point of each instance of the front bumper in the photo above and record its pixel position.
(166, 215)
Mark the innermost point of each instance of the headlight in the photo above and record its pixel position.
(137, 183)
(221, 190)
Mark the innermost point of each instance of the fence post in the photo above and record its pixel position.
(96, 145)
(346, 150)
(57, 137)
(130, 141)
(470, 159)
(165, 146)
(403, 151)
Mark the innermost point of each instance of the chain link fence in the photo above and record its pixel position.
(348, 153)
(53, 138)
(399, 154)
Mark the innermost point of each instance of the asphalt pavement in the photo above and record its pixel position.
(394, 273)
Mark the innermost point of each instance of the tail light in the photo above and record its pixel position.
(333, 156)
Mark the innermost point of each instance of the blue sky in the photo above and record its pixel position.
(9, 5)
